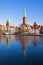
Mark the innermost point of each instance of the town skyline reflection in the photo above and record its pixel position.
(24, 39)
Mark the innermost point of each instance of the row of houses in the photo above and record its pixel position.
(9, 29)
(34, 29)
(24, 28)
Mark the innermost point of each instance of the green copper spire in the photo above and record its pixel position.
(24, 12)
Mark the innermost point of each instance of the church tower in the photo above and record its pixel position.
(24, 18)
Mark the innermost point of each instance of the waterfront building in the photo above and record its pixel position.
(41, 29)
(12, 29)
(16, 29)
(35, 28)
(2, 28)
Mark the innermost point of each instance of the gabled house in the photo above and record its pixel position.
(35, 28)
(16, 29)
(41, 29)
(2, 28)
(12, 29)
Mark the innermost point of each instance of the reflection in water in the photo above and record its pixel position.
(29, 47)
(1, 38)
(7, 40)
(13, 37)
(16, 37)
(25, 40)
(35, 40)
(41, 40)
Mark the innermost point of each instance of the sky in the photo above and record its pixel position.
(13, 10)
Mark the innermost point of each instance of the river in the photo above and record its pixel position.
(25, 50)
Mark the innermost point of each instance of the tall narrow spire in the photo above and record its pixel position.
(24, 12)
(8, 20)
(24, 17)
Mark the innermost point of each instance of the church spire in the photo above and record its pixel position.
(24, 12)
(8, 22)
(24, 17)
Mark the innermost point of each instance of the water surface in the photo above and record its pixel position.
(25, 50)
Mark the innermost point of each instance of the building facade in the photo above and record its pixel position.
(35, 28)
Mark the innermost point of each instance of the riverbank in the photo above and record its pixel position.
(24, 34)
(31, 35)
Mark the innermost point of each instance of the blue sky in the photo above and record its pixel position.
(14, 10)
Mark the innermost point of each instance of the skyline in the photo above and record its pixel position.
(14, 11)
